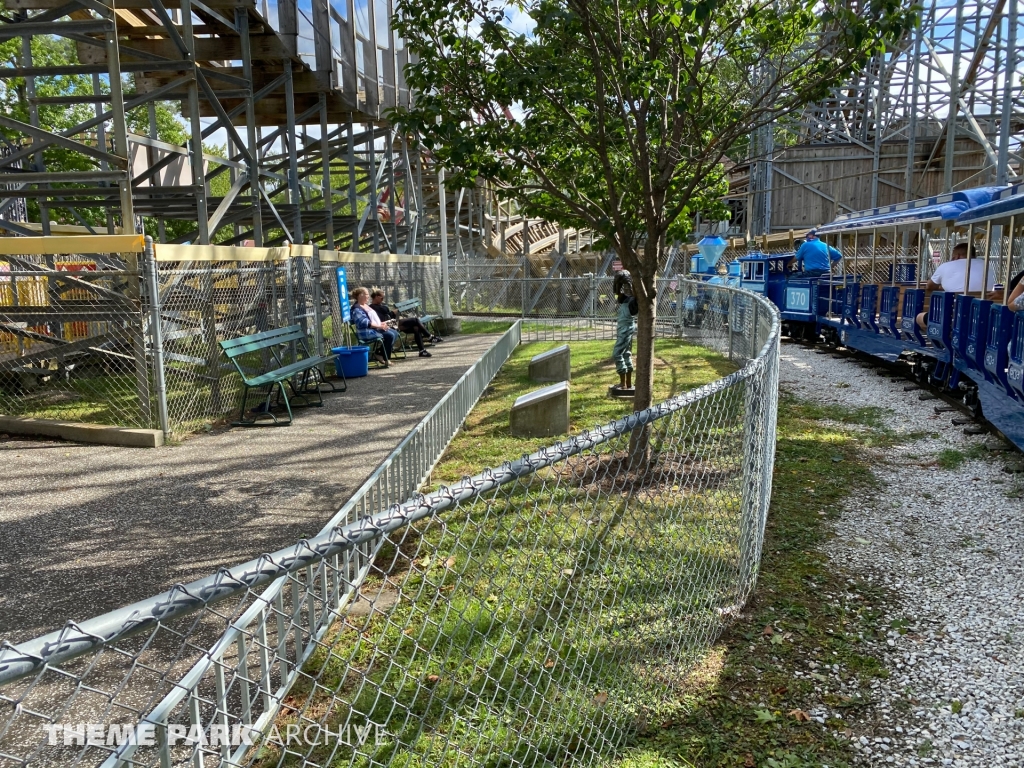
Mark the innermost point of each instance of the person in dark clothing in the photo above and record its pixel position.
(625, 329)
(411, 325)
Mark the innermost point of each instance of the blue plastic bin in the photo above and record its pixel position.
(353, 362)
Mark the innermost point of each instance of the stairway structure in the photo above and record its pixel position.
(296, 93)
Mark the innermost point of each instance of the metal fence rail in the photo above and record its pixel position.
(160, 656)
(538, 613)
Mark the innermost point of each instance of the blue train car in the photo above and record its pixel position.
(989, 328)
(885, 252)
(879, 299)
(880, 302)
(696, 306)
(796, 298)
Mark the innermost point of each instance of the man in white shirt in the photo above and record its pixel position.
(951, 276)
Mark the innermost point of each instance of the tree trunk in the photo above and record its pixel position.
(643, 376)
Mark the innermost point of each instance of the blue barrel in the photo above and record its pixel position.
(353, 362)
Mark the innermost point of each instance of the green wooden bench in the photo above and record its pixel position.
(414, 308)
(272, 349)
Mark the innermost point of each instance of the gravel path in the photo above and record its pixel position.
(947, 544)
(86, 529)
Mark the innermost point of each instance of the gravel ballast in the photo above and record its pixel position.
(946, 544)
(85, 529)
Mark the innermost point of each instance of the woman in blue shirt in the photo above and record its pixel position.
(369, 327)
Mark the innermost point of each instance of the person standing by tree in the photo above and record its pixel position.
(625, 329)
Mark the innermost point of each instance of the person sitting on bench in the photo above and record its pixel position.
(411, 325)
(369, 327)
(951, 276)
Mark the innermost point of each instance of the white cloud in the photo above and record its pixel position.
(519, 21)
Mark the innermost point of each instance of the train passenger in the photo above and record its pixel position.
(1016, 300)
(952, 275)
(815, 256)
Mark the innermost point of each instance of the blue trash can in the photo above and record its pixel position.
(353, 362)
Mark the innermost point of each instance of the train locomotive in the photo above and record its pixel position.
(971, 345)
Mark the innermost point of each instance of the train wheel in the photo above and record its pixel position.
(922, 372)
(973, 403)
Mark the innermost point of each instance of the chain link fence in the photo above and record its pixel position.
(73, 338)
(685, 309)
(539, 613)
(133, 339)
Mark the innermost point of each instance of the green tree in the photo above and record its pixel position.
(617, 116)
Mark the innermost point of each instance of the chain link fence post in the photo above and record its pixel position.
(752, 338)
(591, 298)
(316, 275)
(156, 336)
(289, 299)
(729, 320)
(274, 316)
(679, 305)
(209, 322)
(751, 502)
(136, 334)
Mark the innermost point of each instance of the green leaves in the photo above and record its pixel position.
(618, 116)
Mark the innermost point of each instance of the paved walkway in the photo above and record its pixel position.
(87, 529)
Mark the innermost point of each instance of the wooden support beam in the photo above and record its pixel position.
(208, 49)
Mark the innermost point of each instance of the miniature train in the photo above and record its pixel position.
(972, 345)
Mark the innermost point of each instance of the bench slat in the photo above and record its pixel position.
(289, 370)
(256, 341)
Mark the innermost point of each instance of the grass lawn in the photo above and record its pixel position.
(533, 622)
(101, 399)
(500, 326)
(485, 441)
(113, 399)
(746, 704)
(485, 326)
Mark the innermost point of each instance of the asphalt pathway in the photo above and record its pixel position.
(87, 529)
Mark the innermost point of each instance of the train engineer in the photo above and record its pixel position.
(815, 256)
